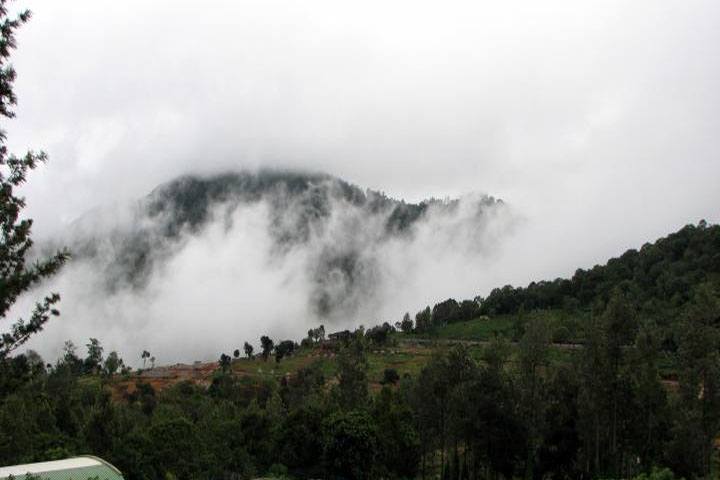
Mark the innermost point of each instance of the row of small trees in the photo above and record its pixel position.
(443, 313)
(267, 348)
(94, 362)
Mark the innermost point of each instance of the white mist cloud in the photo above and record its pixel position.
(597, 122)
(228, 283)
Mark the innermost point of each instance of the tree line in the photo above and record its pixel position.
(659, 277)
(509, 411)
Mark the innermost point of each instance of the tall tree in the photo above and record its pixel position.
(145, 355)
(407, 324)
(352, 366)
(651, 423)
(113, 363)
(699, 362)
(267, 345)
(248, 350)
(605, 401)
(16, 275)
(533, 355)
(94, 356)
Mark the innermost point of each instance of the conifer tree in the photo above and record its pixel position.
(17, 275)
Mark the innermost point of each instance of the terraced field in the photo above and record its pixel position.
(405, 353)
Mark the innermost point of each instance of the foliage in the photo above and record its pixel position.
(350, 445)
(380, 334)
(390, 377)
(659, 277)
(284, 349)
(406, 325)
(657, 474)
(349, 407)
(267, 346)
(248, 349)
(16, 275)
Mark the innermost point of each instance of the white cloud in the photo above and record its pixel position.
(597, 121)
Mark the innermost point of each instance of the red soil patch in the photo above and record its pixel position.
(161, 378)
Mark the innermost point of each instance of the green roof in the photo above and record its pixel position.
(77, 468)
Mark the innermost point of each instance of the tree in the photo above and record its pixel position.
(651, 423)
(94, 356)
(225, 362)
(699, 362)
(316, 334)
(145, 355)
(350, 446)
(299, 445)
(390, 377)
(533, 357)
(407, 324)
(398, 441)
(284, 349)
(16, 276)
(605, 398)
(266, 344)
(113, 363)
(379, 334)
(305, 387)
(423, 320)
(70, 358)
(352, 366)
(445, 312)
(248, 350)
(174, 447)
(236, 353)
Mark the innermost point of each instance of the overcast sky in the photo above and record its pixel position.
(599, 122)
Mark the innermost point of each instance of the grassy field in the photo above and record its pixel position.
(404, 357)
(565, 328)
(409, 353)
(478, 329)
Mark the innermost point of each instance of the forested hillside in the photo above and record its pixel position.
(335, 228)
(463, 391)
(658, 278)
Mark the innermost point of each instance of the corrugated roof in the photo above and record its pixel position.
(77, 468)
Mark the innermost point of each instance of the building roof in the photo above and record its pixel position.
(77, 468)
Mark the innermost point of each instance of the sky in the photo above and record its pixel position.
(597, 122)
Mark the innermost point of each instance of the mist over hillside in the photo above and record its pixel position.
(204, 263)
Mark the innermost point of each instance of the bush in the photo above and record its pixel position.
(561, 335)
(390, 377)
(658, 474)
(278, 470)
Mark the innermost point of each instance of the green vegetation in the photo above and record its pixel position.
(557, 380)
(659, 278)
(363, 405)
(17, 274)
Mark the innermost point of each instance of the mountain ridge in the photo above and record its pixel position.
(340, 223)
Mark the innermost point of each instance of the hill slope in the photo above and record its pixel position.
(337, 227)
(658, 278)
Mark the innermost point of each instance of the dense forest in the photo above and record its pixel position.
(659, 278)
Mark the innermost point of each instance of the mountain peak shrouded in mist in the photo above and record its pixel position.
(345, 223)
(271, 249)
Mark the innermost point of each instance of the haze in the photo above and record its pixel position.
(597, 124)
